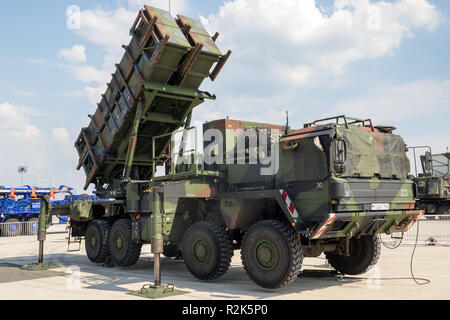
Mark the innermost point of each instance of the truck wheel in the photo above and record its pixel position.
(271, 254)
(33, 226)
(11, 228)
(207, 250)
(364, 254)
(124, 251)
(96, 241)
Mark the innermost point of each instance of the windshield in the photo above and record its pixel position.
(440, 164)
(373, 154)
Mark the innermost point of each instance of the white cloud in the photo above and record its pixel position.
(24, 93)
(91, 93)
(87, 74)
(297, 42)
(109, 29)
(261, 108)
(387, 103)
(13, 118)
(47, 154)
(277, 44)
(62, 139)
(35, 61)
(61, 135)
(96, 78)
(76, 54)
(176, 6)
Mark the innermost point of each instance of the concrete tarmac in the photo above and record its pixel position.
(77, 278)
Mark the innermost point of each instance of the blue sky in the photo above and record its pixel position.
(313, 58)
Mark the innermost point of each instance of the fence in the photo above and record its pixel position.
(18, 231)
(433, 230)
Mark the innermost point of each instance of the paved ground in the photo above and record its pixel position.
(84, 280)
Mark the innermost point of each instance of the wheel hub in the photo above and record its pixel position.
(93, 242)
(266, 255)
(120, 243)
(202, 251)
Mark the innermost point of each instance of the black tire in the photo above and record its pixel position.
(172, 251)
(96, 241)
(271, 254)
(207, 250)
(364, 254)
(33, 226)
(11, 228)
(124, 251)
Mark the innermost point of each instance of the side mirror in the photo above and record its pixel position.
(339, 155)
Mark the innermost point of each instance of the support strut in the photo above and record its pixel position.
(157, 238)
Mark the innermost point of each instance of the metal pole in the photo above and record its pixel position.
(415, 162)
(157, 239)
(42, 232)
(41, 252)
(157, 270)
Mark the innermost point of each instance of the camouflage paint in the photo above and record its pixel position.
(373, 154)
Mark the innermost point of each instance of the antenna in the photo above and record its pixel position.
(287, 123)
(170, 11)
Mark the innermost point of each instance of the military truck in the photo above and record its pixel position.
(433, 183)
(275, 193)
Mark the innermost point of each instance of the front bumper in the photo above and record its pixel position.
(339, 225)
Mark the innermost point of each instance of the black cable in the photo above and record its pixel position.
(416, 280)
(425, 281)
(394, 247)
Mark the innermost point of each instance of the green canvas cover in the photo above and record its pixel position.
(372, 154)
